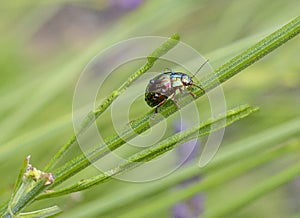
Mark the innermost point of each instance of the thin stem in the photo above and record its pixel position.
(47, 212)
(258, 191)
(93, 115)
(220, 75)
(243, 60)
(165, 200)
(159, 149)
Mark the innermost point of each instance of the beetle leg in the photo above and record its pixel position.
(161, 103)
(181, 90)
(173, 99)
(192, 94)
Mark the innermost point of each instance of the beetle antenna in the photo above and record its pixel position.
(199, 87)
(202, 65)
(168, 70)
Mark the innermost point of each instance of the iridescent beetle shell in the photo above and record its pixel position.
(165, 85)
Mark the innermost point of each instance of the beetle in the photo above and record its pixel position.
(166, 85)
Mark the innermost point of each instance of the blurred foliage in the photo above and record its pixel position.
(45, 46)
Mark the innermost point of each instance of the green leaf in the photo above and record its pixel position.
(220, 75)
(260, 190)
(25, 199)
(19, 180)
(93, 115)
(244, 59)
(256, 143)
(228, 155)
(4, 207)
(159, 149)
(165, 200)
(47, 212)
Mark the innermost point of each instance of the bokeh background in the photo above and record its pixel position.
(45, 45)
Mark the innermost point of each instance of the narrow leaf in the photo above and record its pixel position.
(93, 115)
(164, 200)
(227, 155)
(263, 188)
(159, 149)
(47, 212)
(20, 177)
(220, 75)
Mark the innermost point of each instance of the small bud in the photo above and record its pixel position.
(34, 174)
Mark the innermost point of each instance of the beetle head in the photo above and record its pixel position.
(186, 80)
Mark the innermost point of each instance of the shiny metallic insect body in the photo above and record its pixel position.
(166, 85)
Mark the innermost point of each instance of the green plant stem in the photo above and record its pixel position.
(243, 60)
(259, 191)
(26, 199)
(18, 191)
(47, 212)
(4, 207)
(227, 155)
(93, 115)
(220, 75)
(222, 176)
(20, 177)
(159, 149)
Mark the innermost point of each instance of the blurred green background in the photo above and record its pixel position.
(46, 44)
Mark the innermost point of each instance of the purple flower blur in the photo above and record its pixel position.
(192, 207)
(127, 4)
